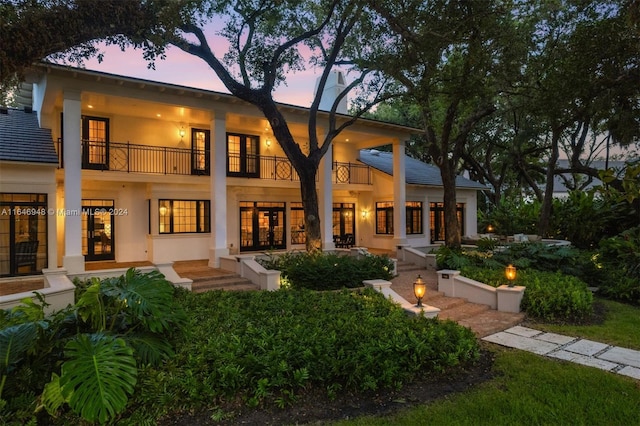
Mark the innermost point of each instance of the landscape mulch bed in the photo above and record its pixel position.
(314, 408)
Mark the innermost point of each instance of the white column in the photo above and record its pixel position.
(72, 259)
(325, 201)
(218, 166)
(399, 195)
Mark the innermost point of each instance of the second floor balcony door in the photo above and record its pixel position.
(243, 158)
(95, 143)
(200, 145)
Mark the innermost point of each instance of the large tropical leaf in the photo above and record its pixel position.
(98, 376)
(147, 297)
(150, 348)
(52, 398)
(90, 306)
(15, 341)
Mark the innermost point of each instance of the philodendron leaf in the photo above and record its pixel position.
(15, 341)
(98, 377)
(52, 398)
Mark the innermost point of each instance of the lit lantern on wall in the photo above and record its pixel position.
(510, 272)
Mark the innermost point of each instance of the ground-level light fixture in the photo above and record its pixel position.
(510, 272)
(419, 288)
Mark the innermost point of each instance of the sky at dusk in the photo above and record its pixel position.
(188, 70)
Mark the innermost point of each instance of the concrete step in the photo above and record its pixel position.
(228, 284)
(479, 318)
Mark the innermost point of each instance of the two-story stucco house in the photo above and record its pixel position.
(108, 167)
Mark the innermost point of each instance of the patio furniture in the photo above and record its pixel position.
(26, 254)
(345, 241)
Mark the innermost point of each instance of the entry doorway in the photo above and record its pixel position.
(98, 230)
(262, 226)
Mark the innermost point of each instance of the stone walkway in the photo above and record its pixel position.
(581, 351)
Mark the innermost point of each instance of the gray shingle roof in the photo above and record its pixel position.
(417, 172)
(21, 139)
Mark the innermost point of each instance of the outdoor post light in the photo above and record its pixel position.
(510, 272)
(419, 288)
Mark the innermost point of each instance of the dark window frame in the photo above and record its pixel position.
(200, 205)
(385, 213)
(411, 210)
(245, 158)
(195, 170)
(88, 144)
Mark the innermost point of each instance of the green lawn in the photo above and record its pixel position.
(621, 326)
(530, 390)
(534, 390)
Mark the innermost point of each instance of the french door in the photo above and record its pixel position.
(262, 226)
(98, 230)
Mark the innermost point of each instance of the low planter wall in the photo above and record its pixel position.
(503, 298)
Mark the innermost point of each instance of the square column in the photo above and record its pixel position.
(325, 201)
(72, 259)
(218, 160)
(399, 194)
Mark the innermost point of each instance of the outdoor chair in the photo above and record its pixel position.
(26, 254)
(345, 241)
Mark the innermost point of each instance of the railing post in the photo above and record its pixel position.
(128, 157)
(165, 160)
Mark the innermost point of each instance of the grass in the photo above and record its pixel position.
(530, 390)
(620, 328)
(534, 390)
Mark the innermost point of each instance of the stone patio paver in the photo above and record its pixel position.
(630, 371)
(622, 356)
(580, 351)
(586, 347)
(584, 360)
(521, 342)
(558, 339)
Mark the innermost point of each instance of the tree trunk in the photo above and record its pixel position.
(451, 226)
(310, 204)
(547, 201)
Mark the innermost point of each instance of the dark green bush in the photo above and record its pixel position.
(549, 296)
(328, 271)
(265, 348)
(619, 260)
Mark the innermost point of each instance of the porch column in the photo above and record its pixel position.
(72, 259)
(325, 201)
(399, 195)
(218, 162)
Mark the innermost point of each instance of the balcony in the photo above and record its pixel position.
(281, 169)
(134, 158)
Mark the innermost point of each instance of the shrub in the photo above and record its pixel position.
(548, 296)
(265, 348)
(90, 352)
(619, 260)
(329, 271)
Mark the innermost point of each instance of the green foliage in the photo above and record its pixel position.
(329, 271)
(99, 373)
(619, 263)
(549, 296)
(512, 216)
(89, 350)
(265, 348)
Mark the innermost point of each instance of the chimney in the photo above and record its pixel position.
(335, 85)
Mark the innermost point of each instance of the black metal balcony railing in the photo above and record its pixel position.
(134, 158)
(280, 168)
